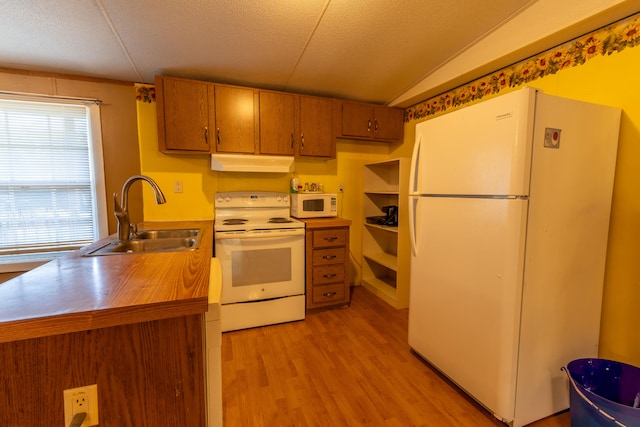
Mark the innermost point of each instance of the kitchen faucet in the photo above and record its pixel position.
(121, 212)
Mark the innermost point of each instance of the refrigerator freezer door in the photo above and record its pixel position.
(465, 293)
(484, 149)
(571, 191)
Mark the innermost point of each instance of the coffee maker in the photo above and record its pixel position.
(391, 217)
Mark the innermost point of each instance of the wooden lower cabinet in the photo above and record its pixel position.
(327, 262)
(148, 374)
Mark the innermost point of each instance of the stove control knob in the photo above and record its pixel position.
(227, 199)
(279, 198)
(220, 199)
(285, 198)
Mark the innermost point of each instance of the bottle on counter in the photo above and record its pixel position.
(295, 184)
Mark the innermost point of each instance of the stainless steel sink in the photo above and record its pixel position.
(164, 234)
(171, 240)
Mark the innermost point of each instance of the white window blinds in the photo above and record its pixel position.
(48, 199)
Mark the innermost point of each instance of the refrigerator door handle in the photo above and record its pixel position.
(413, 201)
(413, 193)
(413, 170)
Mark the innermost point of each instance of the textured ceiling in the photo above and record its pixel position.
(368, 50)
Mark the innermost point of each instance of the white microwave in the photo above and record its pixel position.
(314, 205)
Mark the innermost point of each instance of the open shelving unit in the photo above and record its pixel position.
(385, 249)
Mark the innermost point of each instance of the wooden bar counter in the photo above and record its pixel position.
(133, 324)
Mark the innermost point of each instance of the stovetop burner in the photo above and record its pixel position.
(279, 220)
(245, 211)
(235, 221)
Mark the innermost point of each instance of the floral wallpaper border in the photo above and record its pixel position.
(605, 41)
(145, 93)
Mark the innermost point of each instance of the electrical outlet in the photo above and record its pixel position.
(177, 187)
(81, 399)
(341, 187)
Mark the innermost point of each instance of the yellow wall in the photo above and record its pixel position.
(200, 183)
(612, 80)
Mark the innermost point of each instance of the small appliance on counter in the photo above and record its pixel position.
(390, 219)
(314, 205)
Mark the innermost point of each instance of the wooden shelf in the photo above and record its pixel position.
(384, 259)
(390, 229)
(382, 288)
(392, 193)
(385, 253)
(382, 177)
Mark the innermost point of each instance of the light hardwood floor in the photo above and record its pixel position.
(344, 367)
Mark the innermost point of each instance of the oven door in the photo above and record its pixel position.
(261, 264)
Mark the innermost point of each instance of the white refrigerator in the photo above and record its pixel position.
(509, 205)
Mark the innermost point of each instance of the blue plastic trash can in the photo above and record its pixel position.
(604, 393)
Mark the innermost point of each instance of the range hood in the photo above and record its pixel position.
(251, 163)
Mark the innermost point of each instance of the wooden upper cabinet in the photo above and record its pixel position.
(185, 112)
(292, 124)
(278, 122)
(235, 120)
(388, 123)
(202, 117)
(369, 121)
(357, 120)
(316, 136)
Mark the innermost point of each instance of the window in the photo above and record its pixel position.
(52, 197)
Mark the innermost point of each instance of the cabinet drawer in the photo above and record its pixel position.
(330, 237)
(329, 294)
(330, 274)
(329, 256)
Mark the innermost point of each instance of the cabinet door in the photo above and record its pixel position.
(316, 136)
(185, 114)
(357, 119)
(235, 120)
(388, 123)
(278, 118)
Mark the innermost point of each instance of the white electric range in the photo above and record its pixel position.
(261, 251)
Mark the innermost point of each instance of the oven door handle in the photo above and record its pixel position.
(259, 234)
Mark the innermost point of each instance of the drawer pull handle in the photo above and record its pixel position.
(330, 238)
(329, 294)
(329, 257)
(329, 276)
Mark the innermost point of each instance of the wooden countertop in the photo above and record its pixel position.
(312, 223)
(77, 293)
